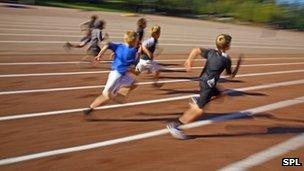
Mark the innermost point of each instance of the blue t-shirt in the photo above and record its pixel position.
(124, 56)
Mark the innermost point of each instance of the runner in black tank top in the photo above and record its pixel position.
(216, 62)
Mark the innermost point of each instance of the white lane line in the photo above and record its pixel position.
(84, 87)
(58, 112)
(205, 40)
(104, 72)
(163, 44)
(245, 59)
(248, 112)
(160, 60)
(266, 155)
(234, 46)
(112, 32)
(51, 24)
(53, 74)
(41, 35)
(117, 32)
(41, 27)
(41, 63)
(244, 65)
(140, 83)
(33, 42)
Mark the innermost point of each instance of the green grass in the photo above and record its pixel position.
(112, 6)
(252, 11)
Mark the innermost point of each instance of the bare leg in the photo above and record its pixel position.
(99, 101)
(192, 114)
(126, 90)
(123, 92)
(156, 79)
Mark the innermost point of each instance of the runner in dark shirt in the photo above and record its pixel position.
(87, 27)
(216, 62)
(93, 42)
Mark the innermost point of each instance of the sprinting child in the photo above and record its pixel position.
(146, 61)
(141, 25)
(87, 27)
(216, 62)
(119, 81)
(94, 41)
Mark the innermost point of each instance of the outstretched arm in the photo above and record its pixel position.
(193, 54)
(80, 45)
(236, 69)
(83, 26)
(102, 51)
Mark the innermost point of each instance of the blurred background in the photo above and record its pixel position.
(283, 14)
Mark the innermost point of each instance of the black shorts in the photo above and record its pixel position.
(206, 93)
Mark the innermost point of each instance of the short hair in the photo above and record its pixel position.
(130, 36)
(99, 24)
(223, 41)
(141, 22)
(155, 30)
(94, 17)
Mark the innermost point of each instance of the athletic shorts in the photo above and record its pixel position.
(147, 65)
(207, 91)
(115, 82)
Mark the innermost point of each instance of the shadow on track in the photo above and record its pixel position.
(253, 130)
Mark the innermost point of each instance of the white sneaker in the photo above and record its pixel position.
(175, 131)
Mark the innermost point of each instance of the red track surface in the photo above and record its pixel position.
(215, 146)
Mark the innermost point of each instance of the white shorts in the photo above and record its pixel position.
(149, 65)
(115, 82)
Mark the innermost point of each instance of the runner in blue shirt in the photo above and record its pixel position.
(119, 81)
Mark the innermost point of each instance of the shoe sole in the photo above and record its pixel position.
(179, 136)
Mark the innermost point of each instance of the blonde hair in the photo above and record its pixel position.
(155, 30)
(130, 36)
(223, 41)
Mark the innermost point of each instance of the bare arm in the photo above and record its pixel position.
(236, 69)
(84, 25)
(193, 54)
(102, 51)
(147, 52)
(78, 45)
(133, 71)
